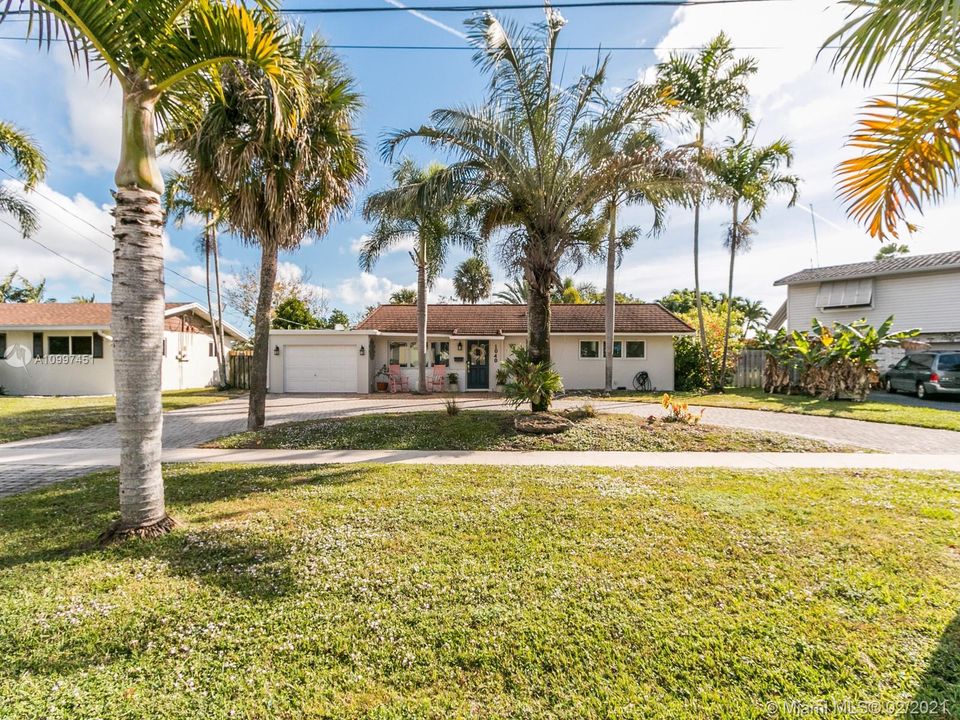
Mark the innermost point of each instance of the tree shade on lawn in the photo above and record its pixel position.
(276, 189)
(164, 56)
(518, 158)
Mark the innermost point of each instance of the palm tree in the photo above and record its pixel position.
(658, 178)
(30, 163)
(515, 292)
(910, 141)
(403, 296)
(276, 189)
(518, 156)
(706, 87)
(405, 211)
(84, 299)
(746, 176)
(164, 56)
(179, 204)
(754, 313)
(473, 280)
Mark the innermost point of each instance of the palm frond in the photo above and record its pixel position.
(911, 153)
(12, 203)
(28, 159)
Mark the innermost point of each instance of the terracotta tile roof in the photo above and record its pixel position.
(38, 315)
(890, 266)
(512, 319)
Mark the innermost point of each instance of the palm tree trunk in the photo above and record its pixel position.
(207, 249)
(734, 241)
(256, 416)
(222, 358)
(422, 322)
(696, 264)
(538, 321)
(137, 322)
(611, 297)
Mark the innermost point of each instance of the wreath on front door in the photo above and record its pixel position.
(478, 355)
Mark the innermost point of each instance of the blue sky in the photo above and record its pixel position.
(76, 121)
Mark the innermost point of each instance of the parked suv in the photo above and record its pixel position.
(927, 373)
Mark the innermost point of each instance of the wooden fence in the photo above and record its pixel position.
(749, 370)
(239, 370)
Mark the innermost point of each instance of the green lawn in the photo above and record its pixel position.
(497, 592)
(25, 417)
(488, 430)
(756, 399)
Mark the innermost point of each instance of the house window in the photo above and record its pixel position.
(3, 345)
(81, 345)
(845, 294)
(97, 345)
(58, 345)
(210, 350)
(617, 349)
(589, 349)
(636, 349)
(440, 352)
(164, 347)
(403, 354)
(38, 345)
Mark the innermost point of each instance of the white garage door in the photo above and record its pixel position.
(320, 368)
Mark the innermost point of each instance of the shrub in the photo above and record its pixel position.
(680, 411)
(827, 362)
(451, 405)
(689, 367)
(530, 382)
(714, 322)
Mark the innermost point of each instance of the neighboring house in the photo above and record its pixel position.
(471, 341)
(919, 291)
(66, 348)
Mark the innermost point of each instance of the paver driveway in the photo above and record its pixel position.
(193, 426)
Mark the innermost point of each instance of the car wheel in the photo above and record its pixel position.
(921, 391)
(888, 386)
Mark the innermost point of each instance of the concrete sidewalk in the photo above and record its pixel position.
(81, 459)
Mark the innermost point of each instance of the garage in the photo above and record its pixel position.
(320, 369)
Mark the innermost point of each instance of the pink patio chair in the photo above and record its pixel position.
(398, 381)
(437, 382)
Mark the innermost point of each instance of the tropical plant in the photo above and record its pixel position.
(680, 411)
(292, 313)
(891, 250)
(519, 159)
(337, 318)
(403, 296)
(689, 366)
(165, 58)
(275, 189)
(515, 292)
(658, 178)
(567, 293)
(529, 380)
(84, 299)
(407, 210)
(473, 280)
(746, 176)
(179, 205)
(831, 362)
(25, 292)
(754, 313)
(909, 142)
(706, 87)
(31, 165)
(715, 330)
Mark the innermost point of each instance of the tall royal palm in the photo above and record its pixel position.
(164, 55)
(518, 155)
(276, 189)
(706, 87)
(746, 176)
(473, 280)
(406, 212)
(30, 164)
(909, 142)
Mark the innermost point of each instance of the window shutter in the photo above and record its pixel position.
(38, 344)
(3, 345)
(97, 345)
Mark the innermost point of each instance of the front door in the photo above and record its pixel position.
(478, 364)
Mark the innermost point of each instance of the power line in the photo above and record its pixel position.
(518, 6)
(51, 250)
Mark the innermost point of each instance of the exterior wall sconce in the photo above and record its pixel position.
(459, 347)
(363, 351)
(276, 350)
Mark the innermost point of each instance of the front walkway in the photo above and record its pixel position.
(27, 464)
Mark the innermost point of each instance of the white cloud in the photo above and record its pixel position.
(366, 289)
(406, 244)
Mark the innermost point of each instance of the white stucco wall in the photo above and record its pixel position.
(285, 338)
(188, 363)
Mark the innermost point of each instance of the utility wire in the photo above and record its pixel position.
(51, 250)
(517, 6)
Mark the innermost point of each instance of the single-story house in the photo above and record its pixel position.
(471, 341)
(66, 348)
(919, 291)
